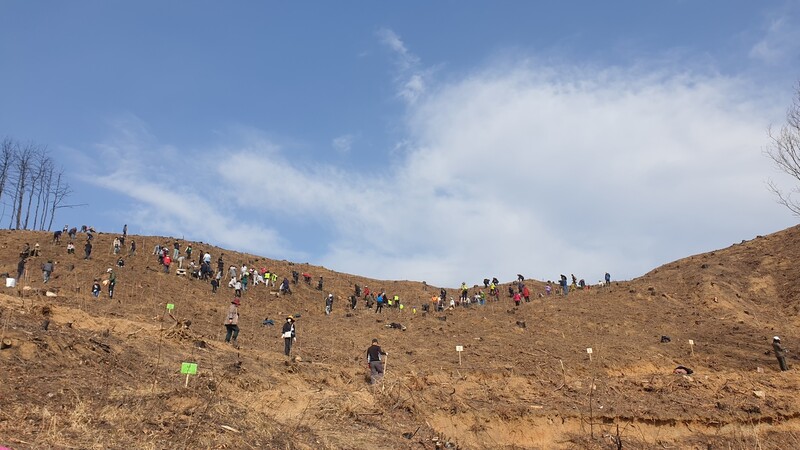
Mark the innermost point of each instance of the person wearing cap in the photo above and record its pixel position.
(232, 322)
(112, 281)
(780, 352)
(374, 362)
(329, 304)
(288, 334)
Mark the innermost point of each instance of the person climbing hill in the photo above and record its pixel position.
(374, 362)
(232, 322)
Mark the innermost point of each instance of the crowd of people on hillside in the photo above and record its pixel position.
(242, 278)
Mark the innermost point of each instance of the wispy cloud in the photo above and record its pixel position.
(405, 59)
(780, 43)
(509, 170)
(152, 175)
(410, 78)
(342, 144)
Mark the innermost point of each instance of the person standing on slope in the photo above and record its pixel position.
(780, 353)
(289, 335)
(328, 304)
(47, 269)
(112, 281)
(232, 322)
(379, 302)
(374, 353)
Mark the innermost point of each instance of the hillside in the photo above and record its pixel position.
(105, 373)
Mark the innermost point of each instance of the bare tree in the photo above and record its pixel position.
(44, 173)
(59, 193)
(784, 150)
(22, 174)
(44, 194)
(28, 174)
(38, 164)
(7, 150)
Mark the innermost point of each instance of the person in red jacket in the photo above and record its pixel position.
(166, 261)
(517, 298)
(526, 294)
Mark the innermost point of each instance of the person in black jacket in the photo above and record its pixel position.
(288, 335)
(374, 353)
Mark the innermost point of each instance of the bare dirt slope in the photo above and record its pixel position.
(106, 373)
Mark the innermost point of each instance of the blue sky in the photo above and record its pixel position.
(439, 141)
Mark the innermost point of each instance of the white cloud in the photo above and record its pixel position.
(509, 170)
(342, 144)
(515, 171)
(780, 43)
(170, 200)
(410, 78)
(405, 59)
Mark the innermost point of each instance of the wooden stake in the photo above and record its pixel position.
(385, 365)
(5, 324)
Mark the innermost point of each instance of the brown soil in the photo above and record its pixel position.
(106, 373)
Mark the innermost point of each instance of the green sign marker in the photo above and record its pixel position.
(189, 368)
(170, 306)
